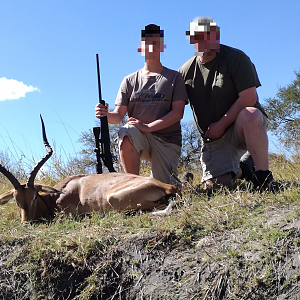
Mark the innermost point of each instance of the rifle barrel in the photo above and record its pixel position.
(99, 83)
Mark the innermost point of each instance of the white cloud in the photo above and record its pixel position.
(13, 89)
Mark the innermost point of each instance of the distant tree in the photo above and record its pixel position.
(191, 146)
(284, 113)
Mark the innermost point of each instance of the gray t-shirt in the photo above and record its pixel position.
(149, 98)
(213, 87)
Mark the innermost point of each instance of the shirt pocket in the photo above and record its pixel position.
(225, 86)
(223, 80)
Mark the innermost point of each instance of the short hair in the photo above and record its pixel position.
(152, 29)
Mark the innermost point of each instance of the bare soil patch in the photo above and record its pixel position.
(163, 265)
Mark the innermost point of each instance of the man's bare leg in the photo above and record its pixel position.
(252, 132)
(130, 158)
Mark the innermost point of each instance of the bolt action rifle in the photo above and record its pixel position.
(102, 136)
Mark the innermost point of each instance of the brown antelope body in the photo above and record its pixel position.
(84, 193)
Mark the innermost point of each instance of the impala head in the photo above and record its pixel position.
(33, 200)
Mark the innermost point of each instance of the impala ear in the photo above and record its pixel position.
(4, 198)
(46, 189)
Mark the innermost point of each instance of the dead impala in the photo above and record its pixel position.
(84, 193)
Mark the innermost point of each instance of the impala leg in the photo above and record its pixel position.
(134, 194)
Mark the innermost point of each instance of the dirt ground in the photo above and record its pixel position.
(162, 266)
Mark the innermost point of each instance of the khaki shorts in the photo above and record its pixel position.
(164, 156)
(223, 155)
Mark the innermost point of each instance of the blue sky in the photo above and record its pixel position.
(48, 48)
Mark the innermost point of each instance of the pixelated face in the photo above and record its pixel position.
(151, 46)
(206, 41)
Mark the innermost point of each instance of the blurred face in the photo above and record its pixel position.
(206, 41)
(151, 46)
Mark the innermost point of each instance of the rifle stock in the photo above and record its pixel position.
(101, 134)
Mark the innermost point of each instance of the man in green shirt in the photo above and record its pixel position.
(221, 84)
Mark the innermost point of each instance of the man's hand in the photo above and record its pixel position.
(215, 130)
(139, 125)
(101, 110)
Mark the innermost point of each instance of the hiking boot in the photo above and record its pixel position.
(247, 167)
(262, 181)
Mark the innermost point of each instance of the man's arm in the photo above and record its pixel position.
(113, 117)
(169, 119)
(247, 98)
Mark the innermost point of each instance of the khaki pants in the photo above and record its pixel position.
(164, 156)
(223, 155)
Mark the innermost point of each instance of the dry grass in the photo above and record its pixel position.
(230, 245)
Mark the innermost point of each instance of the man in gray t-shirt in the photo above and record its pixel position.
(221, 84)
(154, 98)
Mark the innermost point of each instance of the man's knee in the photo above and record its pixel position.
(250, 116)
(249, 120)
(126, 143)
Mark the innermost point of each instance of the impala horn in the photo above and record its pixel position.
(14, 181)
(36, 168)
